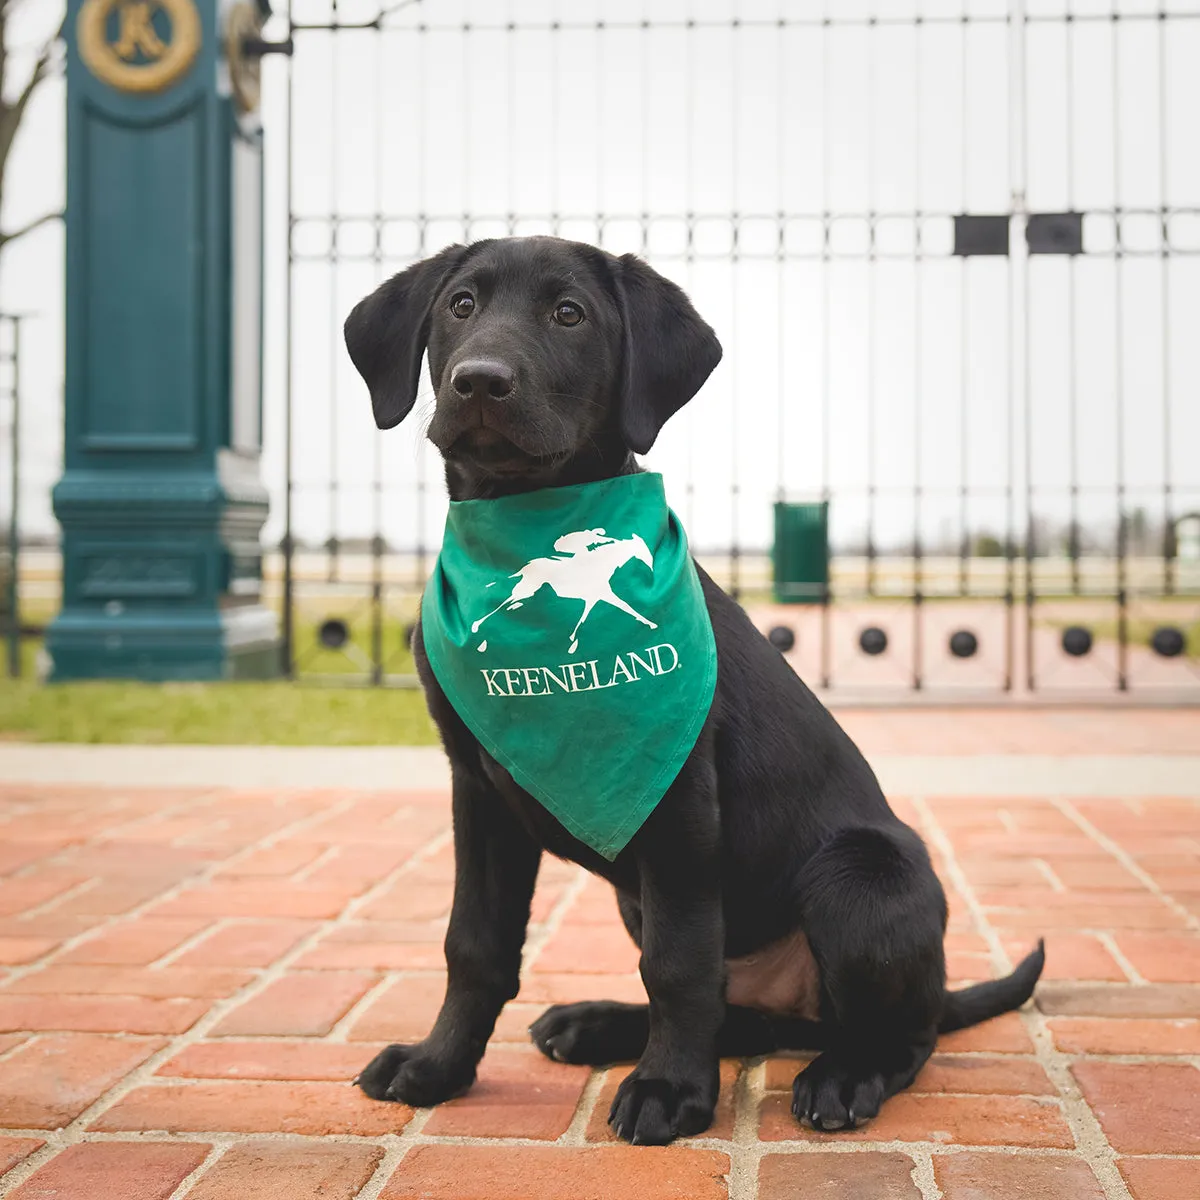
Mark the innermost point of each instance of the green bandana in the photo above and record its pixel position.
(568, 629)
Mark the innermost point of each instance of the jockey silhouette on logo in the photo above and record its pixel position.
(583, 571)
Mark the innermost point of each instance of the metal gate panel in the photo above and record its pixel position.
(951, 254)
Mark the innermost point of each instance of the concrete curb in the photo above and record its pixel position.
(418, 768)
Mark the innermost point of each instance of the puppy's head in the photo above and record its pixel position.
(540, 351)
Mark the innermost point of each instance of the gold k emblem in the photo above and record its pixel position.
(155, 42)
(137, 32)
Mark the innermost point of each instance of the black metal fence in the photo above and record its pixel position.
(952, 251)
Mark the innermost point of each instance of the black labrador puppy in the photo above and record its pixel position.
(776, 899)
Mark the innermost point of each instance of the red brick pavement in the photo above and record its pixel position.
(190, 979)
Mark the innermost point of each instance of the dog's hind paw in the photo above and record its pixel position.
(408, 1076)
(594, 1033)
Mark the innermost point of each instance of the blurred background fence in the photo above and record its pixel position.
(951, 254)
(952, 251)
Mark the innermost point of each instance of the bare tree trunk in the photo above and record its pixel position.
(12, 111)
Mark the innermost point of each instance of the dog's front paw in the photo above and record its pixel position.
(830, 1095)
(652, 1111)
(410, 1076)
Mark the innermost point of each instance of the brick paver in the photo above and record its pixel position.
(189, 980)
(13, 1150)
(50, 1080)
(837, 1177)
(301, 1003)
(268, 1170)
(1162, 1178)
(1029, 1177)
(114, 1171)
(548, 1173)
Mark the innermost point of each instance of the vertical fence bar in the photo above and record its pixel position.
(644, 131)
(1073, 529)
(419, 508)
(333, 560)
(964, 530)
(780, 263)
(555, 131)
(689, 134)
(1011, 291)
(601, 157)
(964, 536)
(14, 516)
(1019, 43)
(1168, 501)
(826, 321)
(872, 299)
(735, 549)
(378, 544)
(826, 326)
(1119, 369)
(510, 113)
(288, 665)
(467, 131)
(918, 581)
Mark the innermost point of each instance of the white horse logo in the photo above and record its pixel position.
(583, 570)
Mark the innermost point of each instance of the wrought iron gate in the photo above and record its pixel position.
(952, 251)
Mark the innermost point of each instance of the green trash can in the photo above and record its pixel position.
(800, 556)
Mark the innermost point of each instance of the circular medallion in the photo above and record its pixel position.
(245, 70)
(138, 45)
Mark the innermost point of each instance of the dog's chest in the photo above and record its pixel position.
(545, 829)
(781, 978)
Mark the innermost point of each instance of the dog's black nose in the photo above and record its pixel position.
(482, 378)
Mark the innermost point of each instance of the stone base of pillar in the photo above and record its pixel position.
(155, 646)
(162, 578)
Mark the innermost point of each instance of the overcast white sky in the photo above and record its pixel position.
(759, 121)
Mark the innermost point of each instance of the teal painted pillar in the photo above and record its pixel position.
(161, 502)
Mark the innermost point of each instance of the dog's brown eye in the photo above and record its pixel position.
(463, 305)
(568, 314)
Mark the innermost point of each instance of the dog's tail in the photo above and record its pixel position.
(747, 1031)
(985, 1000)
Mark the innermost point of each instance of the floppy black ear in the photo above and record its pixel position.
(670, 351)
(387, 332)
